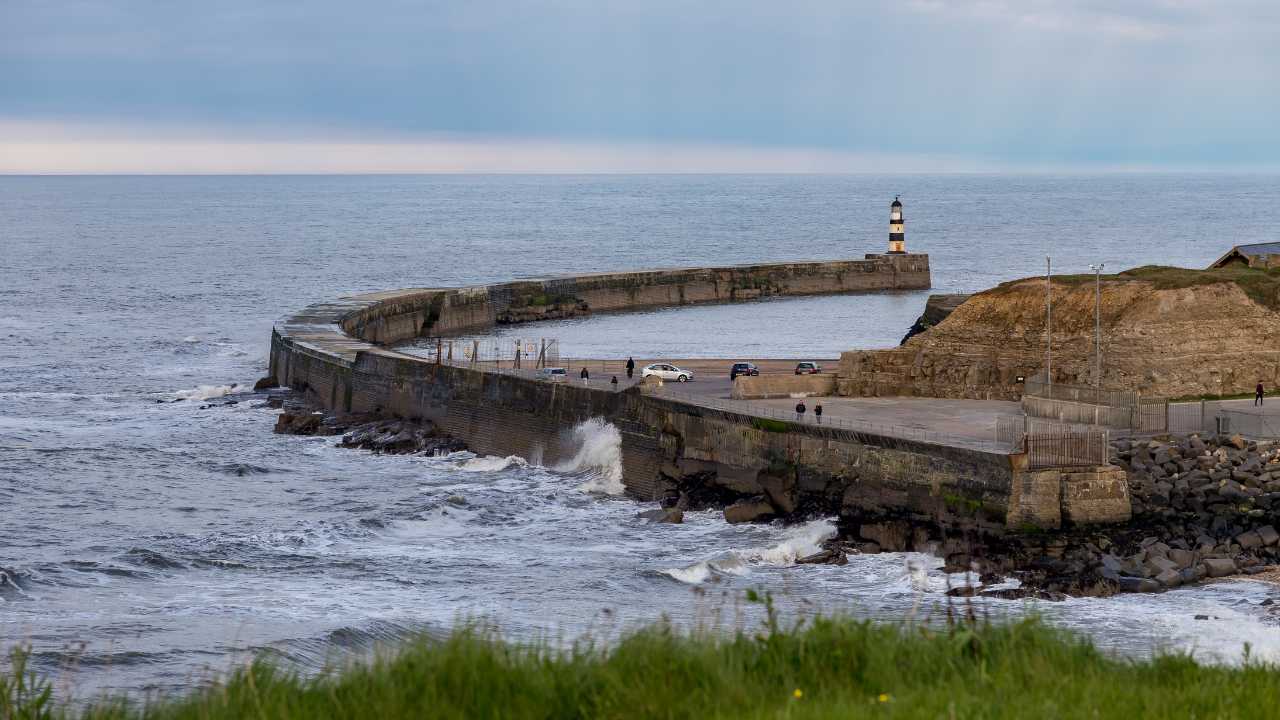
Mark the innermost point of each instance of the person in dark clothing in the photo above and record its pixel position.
(614, 382)
(1257, 395)
(631, 367)
(817, 412)
(584, 374)
(800, 408)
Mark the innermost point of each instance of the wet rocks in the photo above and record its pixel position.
(670, 515)
(366, 432)
(749, 510)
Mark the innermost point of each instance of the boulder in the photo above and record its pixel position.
(672, 515)
(1219, 567)
(265, 383)
(1182, 558)
(749, 510)
(1238, 442)
(1169, 578)
(1135, 584)
(1249, 540)
(1268, 535)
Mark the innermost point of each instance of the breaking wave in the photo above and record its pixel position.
(207, 392)
(797, 542)
(599, 456)
(491, 463)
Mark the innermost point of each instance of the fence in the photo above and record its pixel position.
(1051, 444)
(1249, 423)
(492, 353)
(1037, 387)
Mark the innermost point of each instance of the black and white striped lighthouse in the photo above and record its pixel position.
(897, 233)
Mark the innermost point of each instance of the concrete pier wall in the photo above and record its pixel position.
(332, 352)
(400, 315)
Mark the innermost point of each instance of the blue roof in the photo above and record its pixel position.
(1269, 248)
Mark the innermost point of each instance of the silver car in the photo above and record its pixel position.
(666, 371)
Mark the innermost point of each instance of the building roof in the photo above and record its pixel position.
(1254, 250)
(896, 202)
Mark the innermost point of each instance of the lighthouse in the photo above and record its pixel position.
(897, 236)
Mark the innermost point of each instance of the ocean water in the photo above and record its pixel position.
(153, 531)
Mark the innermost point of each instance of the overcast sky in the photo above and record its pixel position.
(605, 85)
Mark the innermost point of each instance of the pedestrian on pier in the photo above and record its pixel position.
(817, 412)
(800, 408)
(631, 367)
(1257, 395)
(614, 383)
(584, 375)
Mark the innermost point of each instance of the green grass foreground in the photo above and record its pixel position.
(830, 667)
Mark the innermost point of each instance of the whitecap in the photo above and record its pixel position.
(207, 392)
(599, 454)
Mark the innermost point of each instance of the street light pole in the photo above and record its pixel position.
(1097, 320)
(1048, 322)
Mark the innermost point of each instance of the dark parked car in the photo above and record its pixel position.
(808, 368)
(743, 369)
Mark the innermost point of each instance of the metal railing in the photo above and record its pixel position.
(1050, 444)
(1038, 387)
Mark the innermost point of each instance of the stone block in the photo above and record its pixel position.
(1219, 567)
(748, 510)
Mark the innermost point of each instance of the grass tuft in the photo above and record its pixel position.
(823, 668)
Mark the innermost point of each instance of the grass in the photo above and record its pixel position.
(826, 668)
(1261, 285)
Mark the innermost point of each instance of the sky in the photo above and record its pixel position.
(638, 86)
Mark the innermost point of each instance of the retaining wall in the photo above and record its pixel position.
(757, 387)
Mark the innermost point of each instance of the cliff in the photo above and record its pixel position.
(1165, 332)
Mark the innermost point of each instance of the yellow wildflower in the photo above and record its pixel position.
(884, 697)
(797, 694)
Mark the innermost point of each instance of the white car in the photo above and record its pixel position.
(666, 372)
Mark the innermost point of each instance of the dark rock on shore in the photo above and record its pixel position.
(366, 432)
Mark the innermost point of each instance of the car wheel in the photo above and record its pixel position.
(682, 378)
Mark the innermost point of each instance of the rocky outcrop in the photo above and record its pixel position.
(366, 432)
(1165, 332)
(936, 309)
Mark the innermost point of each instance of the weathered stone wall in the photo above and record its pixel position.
(391, 317)
(754, 387)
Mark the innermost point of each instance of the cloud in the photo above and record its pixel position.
(1129, 19)
(59, 148)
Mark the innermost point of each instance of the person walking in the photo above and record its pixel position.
(1257, 395)
(800, 408)
(584, 375)
(614, 383)
(631, 367)
(817, 412)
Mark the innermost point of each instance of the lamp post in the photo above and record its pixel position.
(1048, 323)
(1097, 321)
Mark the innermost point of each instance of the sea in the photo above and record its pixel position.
(155, 533)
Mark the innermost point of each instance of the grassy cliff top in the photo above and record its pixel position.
(1262, 286)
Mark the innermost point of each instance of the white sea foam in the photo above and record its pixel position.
(207, 392)
(797, 542)
(599, 454)
(491, 463)
(191, 339)
(726, 563)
